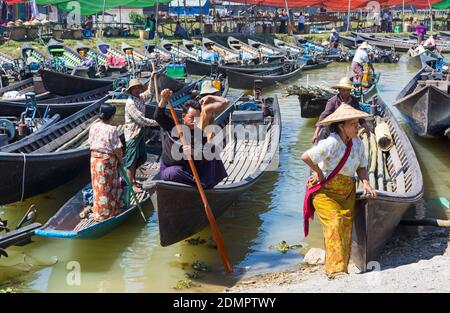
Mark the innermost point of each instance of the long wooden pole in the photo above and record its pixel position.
(212, 221)
(348, 15)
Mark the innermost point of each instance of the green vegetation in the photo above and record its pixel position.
(200, 266)
(184, 284)
(283, 247)
(136, 18)
(193, 275)
(196, 241)
(8, 290)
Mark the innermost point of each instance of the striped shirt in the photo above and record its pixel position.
(135, 118)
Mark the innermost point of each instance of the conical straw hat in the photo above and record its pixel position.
(135, 83)
(365, 45)
(344, 112)
(344, 83)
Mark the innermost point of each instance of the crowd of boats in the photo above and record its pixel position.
(45, 121)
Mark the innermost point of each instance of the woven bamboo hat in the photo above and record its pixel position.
(365, 45)
(208, 89)
(135, 83)
(344, 112)
(344, 83)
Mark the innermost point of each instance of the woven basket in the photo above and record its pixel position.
(57, 33)
(143, 35)
(32, 33)
(77, 33)
(18, 33)
(67, 34)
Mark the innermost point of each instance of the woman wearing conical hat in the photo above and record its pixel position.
(331, 188)
(359, 60)
(345, 88)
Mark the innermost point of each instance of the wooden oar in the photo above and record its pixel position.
(212, 221)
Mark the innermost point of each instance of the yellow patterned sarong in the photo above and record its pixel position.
(335, 204)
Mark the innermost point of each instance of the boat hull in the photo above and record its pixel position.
(427, 111)
(67, 85)
(246, 81)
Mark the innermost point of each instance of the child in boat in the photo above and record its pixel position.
(331, 187)
(135, 123)
(106, 153)
(173, 168)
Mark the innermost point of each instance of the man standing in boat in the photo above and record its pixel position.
(345, 88)
(135, 123)
(174, 168)
(360, 59)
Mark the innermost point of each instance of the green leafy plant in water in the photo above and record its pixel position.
(196, 241)
(183, 284)
(200, 266)
(193, 275)
(8, 290)
(284, 247)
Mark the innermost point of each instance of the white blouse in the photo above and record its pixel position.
(328, 152)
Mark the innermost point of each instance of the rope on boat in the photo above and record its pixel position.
(23, 175)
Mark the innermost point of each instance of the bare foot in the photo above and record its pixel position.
(136, 189)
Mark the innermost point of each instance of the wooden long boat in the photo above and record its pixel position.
(420, 60)
(425, 103)
(86, 51)
(177, 51)
(41, 162)
(66, 223)
(32, 55)
(399, 44)
(67, 85)
(348, 42)
(246, 81)
(225, 53)
(64, 106)
(377, 218)
(71, 58)
(293, 50)
(195, 67)
(32, 84)
(265, 48)
(311, 107)
(312, 65)
(6, 59)
(191, 47)
(238, 46)
(245, 159)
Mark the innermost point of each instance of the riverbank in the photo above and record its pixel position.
(409, 263)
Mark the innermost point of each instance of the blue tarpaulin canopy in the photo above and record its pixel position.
(192, 7)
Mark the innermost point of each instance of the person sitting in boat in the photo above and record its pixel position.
(430, 43)
(211, 171)
(106, 154)
(334, 38)
(344, 95)
(360, 59)
(331, 187)
(135, 123)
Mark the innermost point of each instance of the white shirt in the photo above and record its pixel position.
(361, 56)
(328, 153)
(301, 19)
